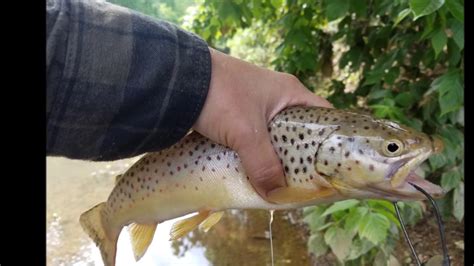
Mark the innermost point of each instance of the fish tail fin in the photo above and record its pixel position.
(92, 221)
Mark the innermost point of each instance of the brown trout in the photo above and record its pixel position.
(327, 155)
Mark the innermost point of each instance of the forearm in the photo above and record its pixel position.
(119, 83)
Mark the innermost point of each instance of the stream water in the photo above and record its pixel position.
(242, 237)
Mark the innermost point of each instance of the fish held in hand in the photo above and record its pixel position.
(327, 155)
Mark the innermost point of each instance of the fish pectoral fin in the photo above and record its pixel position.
(141, 236)
(117, 178)
(211, 221)
(183, 227)
(321, 181)
(295, 194)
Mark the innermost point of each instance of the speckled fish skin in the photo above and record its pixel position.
(319, 148)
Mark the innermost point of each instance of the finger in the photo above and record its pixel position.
(261, 163)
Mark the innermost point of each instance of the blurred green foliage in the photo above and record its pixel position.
(402, 60)
(169, 10)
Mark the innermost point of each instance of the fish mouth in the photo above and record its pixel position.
(406, 190)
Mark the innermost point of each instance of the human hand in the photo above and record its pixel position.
(242, 100)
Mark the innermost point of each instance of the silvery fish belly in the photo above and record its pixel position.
(327, 155)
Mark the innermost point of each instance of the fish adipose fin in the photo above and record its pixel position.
(141, 236)
(183, 227)
(92, 221)
(295, 194)
(211, 221)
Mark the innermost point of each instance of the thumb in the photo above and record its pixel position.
(261, 163)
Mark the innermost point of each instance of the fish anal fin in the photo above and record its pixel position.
(211, 221)
(296, 194)
(141, 236)
(184, 226)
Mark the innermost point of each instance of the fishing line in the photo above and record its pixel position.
(444, 246)
(402, 223)
(271, 236)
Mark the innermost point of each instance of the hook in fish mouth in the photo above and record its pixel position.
(446, 261)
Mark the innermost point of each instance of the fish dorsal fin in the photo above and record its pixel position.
(141, 236)
(297, 194)
(117, 178)
(184, 226)
(211, 221)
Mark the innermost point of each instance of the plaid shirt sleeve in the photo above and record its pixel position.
(119, 83)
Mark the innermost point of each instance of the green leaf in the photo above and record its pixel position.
(359, 247)
(401, 15)
(341, 205)
(314, 219)
(405, 99)
(316, 244)
(339, 241)
(458, 202)
(336, 9)
(458, 33)
(456, 9)
(450, 91)
(359, 8)
(353, 219)
(450, 180)
(454, 53)
(438, 41)
(437, 161)
(374, 227)
(424, 7)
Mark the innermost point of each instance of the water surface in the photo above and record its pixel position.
(240, 238)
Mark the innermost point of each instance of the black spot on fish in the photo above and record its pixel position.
(297, 146)
(190, 153)
(297, 170)
(339, 144)
(301, 136)
(284, 138)
(304, 169)
(275, 138)
(347, 154)
(306, 145)
(313, 143)
(325, 162)
(361, 152)
(371, 167)
(351, 139)
(332, 149)
(321, 132)
(301, 160)
(208, 158)
(310, 131)
(292, 159)
(286, 169)
(292, 141)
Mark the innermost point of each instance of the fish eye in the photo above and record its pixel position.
(392, 147)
